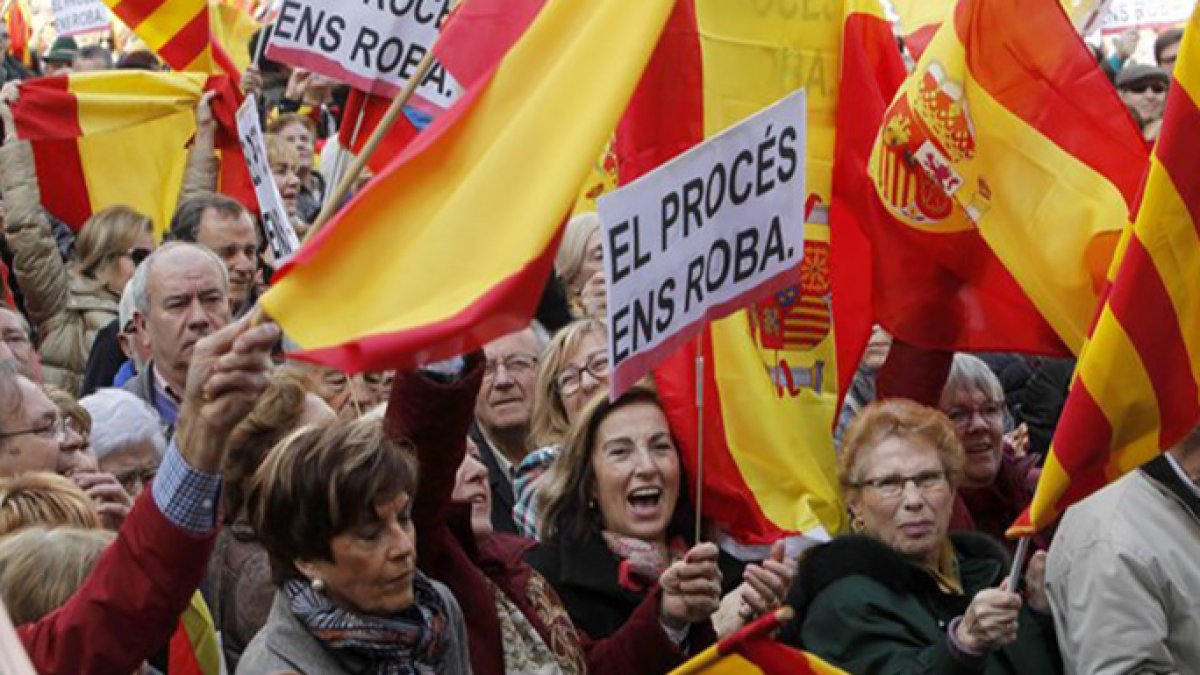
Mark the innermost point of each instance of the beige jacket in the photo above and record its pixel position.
(1124, 580)
(66, 308)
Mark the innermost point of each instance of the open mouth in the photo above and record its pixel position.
(645, 501)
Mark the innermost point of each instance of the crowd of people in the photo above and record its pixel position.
(162, 467)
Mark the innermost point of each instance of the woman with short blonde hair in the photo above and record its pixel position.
(579, 264)
(41, 568)
(45, 499)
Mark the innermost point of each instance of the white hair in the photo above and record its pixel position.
(141, 292)
(572, 252)
(121, 419)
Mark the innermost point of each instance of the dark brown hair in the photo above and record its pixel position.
(322, 482)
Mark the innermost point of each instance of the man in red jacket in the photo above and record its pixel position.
(129, 606)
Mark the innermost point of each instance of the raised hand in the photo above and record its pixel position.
(228, 373)
(990, 620)
(691, 588)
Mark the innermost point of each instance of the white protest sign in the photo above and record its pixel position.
(276, 225)
(374, 45)
(1122, 15)
(702, 236)
(74, 17)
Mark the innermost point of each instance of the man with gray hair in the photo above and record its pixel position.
(127, 437)
(181, 296)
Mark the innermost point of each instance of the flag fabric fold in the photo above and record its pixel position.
(77, 124)
(462, 228)
(1005, 181)
(753, 650)
(770, 372)
(1136, 390)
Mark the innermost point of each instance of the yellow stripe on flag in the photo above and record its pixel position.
(1055, 188)
(232, 28)
(435, 234)
(145, 120)
(779, 439)
(168, 21)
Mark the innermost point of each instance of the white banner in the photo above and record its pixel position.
(74, 17)
(702, 236)
(373, 45)
(1122, 15)
(281, 236)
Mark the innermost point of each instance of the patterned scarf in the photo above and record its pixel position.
(408, 643)
(642, 562)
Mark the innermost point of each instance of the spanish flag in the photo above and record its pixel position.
(1136, 390)
(179, 31)
(452, 244)
(752, 651)
(770, 376)
(78, 124)
(1005, 179)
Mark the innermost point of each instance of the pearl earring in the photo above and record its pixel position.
(318, 585)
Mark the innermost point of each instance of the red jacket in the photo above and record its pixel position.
(129, 605)
(435, 418)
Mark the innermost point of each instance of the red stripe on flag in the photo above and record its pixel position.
(1011, 44)
(47, 109)
(47, 114)
(504, 308)
(134, 12)
(1082, 429)
(1141, 303)
(1180, 156)
(189, 43)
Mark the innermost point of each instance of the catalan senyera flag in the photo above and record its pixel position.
(987, 147)
(179, 31)
(752, 651)
(77, 124)
(770, 372)
(1136, 390)
(452, 244)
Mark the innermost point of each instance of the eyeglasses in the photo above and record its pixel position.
(139, 254)
(570, 380)
(137, 476)
(515, 364)
(1143, 87)
(891, 487)
(54, 431)
(990, 412)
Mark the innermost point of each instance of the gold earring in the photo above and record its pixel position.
(856, 524)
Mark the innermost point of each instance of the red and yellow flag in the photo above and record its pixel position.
(232, 28)
(770, 372)
(179, 31)
(77, 124)
(20, 30)
(752, 651)
(194, 649)
(449, 248)
(1137, 386)
(987, 151)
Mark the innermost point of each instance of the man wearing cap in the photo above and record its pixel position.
(1144, 89)
(61, 57)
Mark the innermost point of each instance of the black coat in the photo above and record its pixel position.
(584, 573)
(500, 485)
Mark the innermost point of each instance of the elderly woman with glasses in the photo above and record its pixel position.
(996, 484)
(904, 596)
